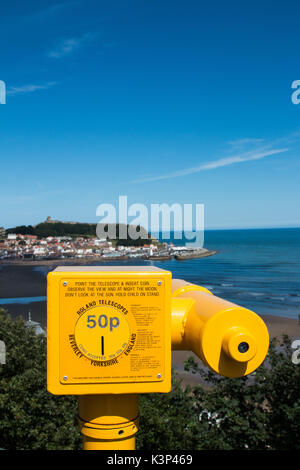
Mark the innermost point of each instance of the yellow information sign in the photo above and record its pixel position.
(109, 330)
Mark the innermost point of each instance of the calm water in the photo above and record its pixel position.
(22, 300)
(258, 269)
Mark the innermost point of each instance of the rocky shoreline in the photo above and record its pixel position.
(194, 255)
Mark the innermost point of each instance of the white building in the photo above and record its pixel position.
(11, 236)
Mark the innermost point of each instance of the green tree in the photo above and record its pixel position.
(168, 421)
(282, 394)
(260, 411)
(30, 417)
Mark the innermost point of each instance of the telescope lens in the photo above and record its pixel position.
(243, 347)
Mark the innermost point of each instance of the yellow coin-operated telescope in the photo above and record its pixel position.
(110, 332)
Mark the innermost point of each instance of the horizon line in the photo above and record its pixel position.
(262, 227)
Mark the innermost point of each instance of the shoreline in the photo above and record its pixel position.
(60, 262)
(99, 259)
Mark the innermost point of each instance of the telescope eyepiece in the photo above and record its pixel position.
(243, 347)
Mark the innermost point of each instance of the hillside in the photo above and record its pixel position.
(77, 229)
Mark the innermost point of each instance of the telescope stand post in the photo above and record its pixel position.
(108, 422)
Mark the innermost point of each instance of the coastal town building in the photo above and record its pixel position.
(18, 247)
(34, 325)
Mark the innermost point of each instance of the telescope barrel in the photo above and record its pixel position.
(232, 340)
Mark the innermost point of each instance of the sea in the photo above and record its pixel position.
(256, 268)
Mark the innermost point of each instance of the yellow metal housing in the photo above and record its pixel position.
(233, 341)
(108, 330)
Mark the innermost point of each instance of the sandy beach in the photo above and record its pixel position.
(21, 281)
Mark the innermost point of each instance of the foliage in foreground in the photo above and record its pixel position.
(31, 418)
(261, 411)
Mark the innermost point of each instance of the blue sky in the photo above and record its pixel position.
(162, 101)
